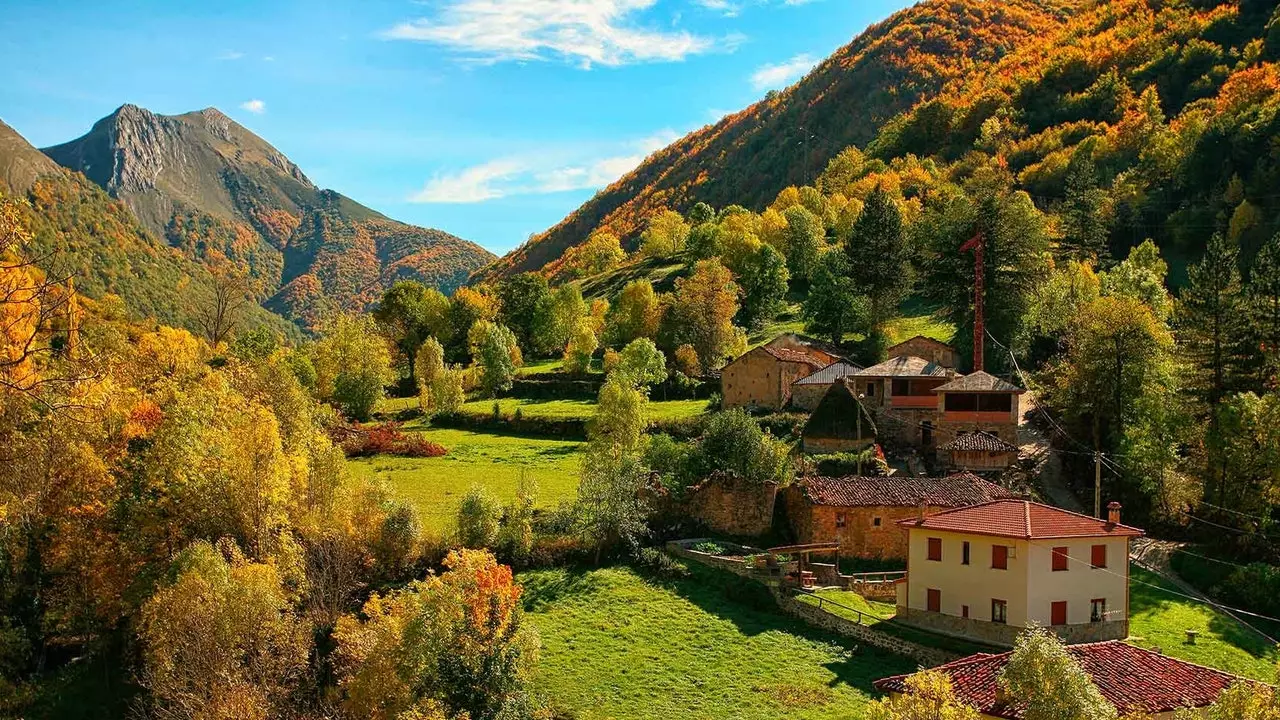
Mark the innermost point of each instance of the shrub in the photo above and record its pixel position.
(659, 564)
(557, 551)
(388, 439)
(479, 515)
(709, 548)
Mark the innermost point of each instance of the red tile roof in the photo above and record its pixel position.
(1129, 677)
(978, 440)
(956, 490)
(1021, 519)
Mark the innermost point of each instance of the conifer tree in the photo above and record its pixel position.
(1264, 306)
(1212, 323)
(877, 252)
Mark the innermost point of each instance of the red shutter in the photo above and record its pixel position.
(1059, 559)
(1099, 558)
(933, 600)
(1000, 557)
(1058, 615)
(935, 549)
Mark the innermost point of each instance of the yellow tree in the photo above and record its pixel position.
(929, 696)
(702, 311)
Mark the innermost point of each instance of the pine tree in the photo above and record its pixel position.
(877, 253)
(1264, 306)
(1212, 323)
(1084, 229)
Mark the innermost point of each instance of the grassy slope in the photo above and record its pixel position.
(435, 485)
(1160, 619)
(618, 646)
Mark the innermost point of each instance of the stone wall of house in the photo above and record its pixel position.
(828, 446)
(731, 505)
(859, 534)
(807, 397)
(923, 348)
(906, 426)
(758, 379)
(979, 460)
(950, 429)
(1006, 635)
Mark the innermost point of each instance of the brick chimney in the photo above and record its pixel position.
(1113, 513)
(920, 515)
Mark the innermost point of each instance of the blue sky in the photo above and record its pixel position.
(491, 119)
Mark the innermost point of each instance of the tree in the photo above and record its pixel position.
(447, 391)
(582, 345)
(467, 307)
(702, 311)
(1264, 304)
(1141, 275)
(763, 278)
(929, 696)
(608, 509)
(1049, 682)
(834, 309)
(411, 312)
(452, 645)
(701, 213)
(1244, 700)
(635, 314)
(221, 308)
(352, 365)
(428, 369)
(479, 514)
(733, 442)
(1082, 213)
(878, 258)
(665, 235)
(221, 639)
(805, 239)
(641, 363)
(619, 419)
(497, 354)
(686, 361)
(601, 252)
(1212, 325)
(558, 319)
(523, 299)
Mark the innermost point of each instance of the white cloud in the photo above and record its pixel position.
(728, 9)
(539, 175)
(268, 58)
(768, 77)
(230, 55)
(586, 32)
(257, 107)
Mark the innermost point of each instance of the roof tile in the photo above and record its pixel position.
(958, 490)
(1021, 519)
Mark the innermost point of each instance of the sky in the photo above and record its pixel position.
(490, 119)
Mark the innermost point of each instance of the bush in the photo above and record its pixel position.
(479, 516)
(388, 439)
(558, 551)
(842, 464)
(659, 564)
(709, 548)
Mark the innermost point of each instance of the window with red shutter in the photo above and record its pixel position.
(1099, 556)
(1000, 557)
(935, 549)
(1060, 559)
(933, 600)
(1058, 613)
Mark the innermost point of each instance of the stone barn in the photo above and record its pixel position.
(979, 401)
(807, 392)
(932, 350)
(762, 377)
(978, 451)
(902, 391)
(839, 424)
(861, 513)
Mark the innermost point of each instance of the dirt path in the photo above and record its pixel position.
(1047, 465)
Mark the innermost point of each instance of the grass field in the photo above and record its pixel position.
(435, 485)
(581, 409)
(1161, 619)
(616, 645)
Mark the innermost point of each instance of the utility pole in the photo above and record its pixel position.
(1097, 483)
(859, 436)
(976, 244)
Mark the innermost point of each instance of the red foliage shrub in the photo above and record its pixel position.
(389, 439)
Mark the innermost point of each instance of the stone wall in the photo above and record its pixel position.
(731, 505)
(827, 446)
(758, 379)
(807, 397)
(980, 460)
(860, 536)
(1006, 635)
(927, 349)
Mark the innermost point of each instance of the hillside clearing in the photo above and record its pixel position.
(615, 645)
(435, 485)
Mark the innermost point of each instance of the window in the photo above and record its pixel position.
(964, 553)
(875, 522)
(1058, 613)
(933, 600)
(1098, 557)
(995, 402)
(840, 520)
(999, 612)
(901, 387)
(1000, 557)
(935, 549)
(1098, 610)
(960, 402)
(964, 611)
(1060, 559)
(871, 389)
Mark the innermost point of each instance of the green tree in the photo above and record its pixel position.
(635, 315)
(558, 319)
(1049, 683)
(834, 308)
(523, 299)
(620, 418)
(352, 365)
(447, 391)
(665, 235)
(582, 345)
(733, 442)
(763, 278)
(1082, 219)
(1142, 275)
(642, 364)
(1264, 305)
(1244, 700)
(701, 213)
(702, 312)
(878, 257)
(1212, 324)
(428, 369)
(479, 517)
(410, 312)
(805, 239)
(496, 352)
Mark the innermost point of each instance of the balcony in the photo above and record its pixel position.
(973, 416)
(918, 402)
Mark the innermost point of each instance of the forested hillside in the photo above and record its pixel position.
(1172, 102)
(234, 203)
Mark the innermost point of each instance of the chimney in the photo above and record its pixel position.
(920, 515)
(1113, 513)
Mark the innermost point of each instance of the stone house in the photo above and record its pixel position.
(1138, 682)
(987, 571)
(934, 351)
(840, 423)
(978, 451)
(902, 389)
(862, 513)
(979, 401)
(821, 349)
(762, 377)
(807, 392)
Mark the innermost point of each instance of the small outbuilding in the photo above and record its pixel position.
(839, 423)
(978, 451)
(762, 377)
(807, 392)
